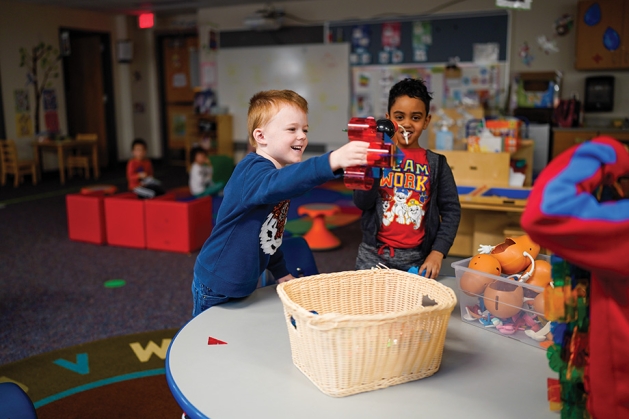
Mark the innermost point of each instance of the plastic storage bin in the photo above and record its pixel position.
(124, 219)
(523, 320)
(372, 328)
(177, 223)
(86, 218)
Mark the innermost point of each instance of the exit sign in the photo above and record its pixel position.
(146, 20)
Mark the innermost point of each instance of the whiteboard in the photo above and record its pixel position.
(318, 72)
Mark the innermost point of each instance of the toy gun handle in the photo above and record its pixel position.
(379, 154)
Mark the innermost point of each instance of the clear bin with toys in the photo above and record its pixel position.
(502, 291)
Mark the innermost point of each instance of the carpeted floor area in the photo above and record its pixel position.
(53, 294)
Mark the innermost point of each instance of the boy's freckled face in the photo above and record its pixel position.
(411, 114)
(138, 152)
(283, 139)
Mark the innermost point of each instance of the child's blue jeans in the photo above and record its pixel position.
(204, 298)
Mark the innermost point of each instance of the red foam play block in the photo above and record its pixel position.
(86, 218)
(124, 220)
(178, 224)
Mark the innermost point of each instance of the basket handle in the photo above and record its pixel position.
(326, 326)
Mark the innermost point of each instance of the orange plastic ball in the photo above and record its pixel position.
(541, 274)
(474, 284)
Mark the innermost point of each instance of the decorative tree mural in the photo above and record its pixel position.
(42, 63)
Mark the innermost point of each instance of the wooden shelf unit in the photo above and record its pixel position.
(188, 129)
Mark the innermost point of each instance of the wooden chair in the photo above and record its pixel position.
(10, 164)
(78, 160)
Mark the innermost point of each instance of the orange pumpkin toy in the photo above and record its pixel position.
(511, 254)
(474, 284)
(503, 300)
(541, 274)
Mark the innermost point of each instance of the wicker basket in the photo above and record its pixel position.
(372, 329)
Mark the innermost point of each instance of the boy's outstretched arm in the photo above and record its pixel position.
(351, 154)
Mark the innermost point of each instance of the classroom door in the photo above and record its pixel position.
(180, 76)
(89, 101)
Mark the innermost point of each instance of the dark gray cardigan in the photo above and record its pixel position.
(441, 219)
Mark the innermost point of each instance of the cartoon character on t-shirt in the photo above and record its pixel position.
(415, 213)
(388, 216)
(400, 207)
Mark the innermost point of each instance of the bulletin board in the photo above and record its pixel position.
(371, 85)
(422, 39)
(318, 72)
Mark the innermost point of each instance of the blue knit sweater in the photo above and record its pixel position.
(250, 223)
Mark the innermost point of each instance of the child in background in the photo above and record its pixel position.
(564, 216)
(411, 215)
(201, 171)
(140, 172)
(250, 222)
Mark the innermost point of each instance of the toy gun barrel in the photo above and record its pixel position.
(379, 154)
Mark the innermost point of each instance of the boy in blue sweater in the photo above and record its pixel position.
(250, 222)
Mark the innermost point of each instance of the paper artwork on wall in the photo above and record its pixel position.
(563, 25)
(547, 45)
(422, 38)
(179, 125)
(23, 125)
(49, 98)
(208, 74)
(391, 37)
(371, 85)
(525, 54)
(361, 39)
(21, 101)
(486, 54)
(515, 4)
(180, 80)
(51, 119)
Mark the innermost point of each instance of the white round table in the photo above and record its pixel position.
(482, 375)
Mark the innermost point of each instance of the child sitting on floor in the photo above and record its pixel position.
(201, 172)
(140, 172)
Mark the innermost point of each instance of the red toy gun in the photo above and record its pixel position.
(381, 152)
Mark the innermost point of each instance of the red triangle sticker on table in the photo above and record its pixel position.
(213, 341)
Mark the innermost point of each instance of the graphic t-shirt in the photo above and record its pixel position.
(405, 191)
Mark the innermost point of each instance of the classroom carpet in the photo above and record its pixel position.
(120, 377)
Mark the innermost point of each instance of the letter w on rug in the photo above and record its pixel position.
(144, 354)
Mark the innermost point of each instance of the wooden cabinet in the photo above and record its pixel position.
(488, 168)
(602, 35)
(566, 138)
(563, 140)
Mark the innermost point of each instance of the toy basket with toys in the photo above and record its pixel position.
(502, 290)
(357, 331)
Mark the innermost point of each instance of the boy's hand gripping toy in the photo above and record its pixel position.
(381, 152)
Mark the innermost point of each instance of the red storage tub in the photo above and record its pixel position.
(124, 219)
(176, 223)
(86, 218)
